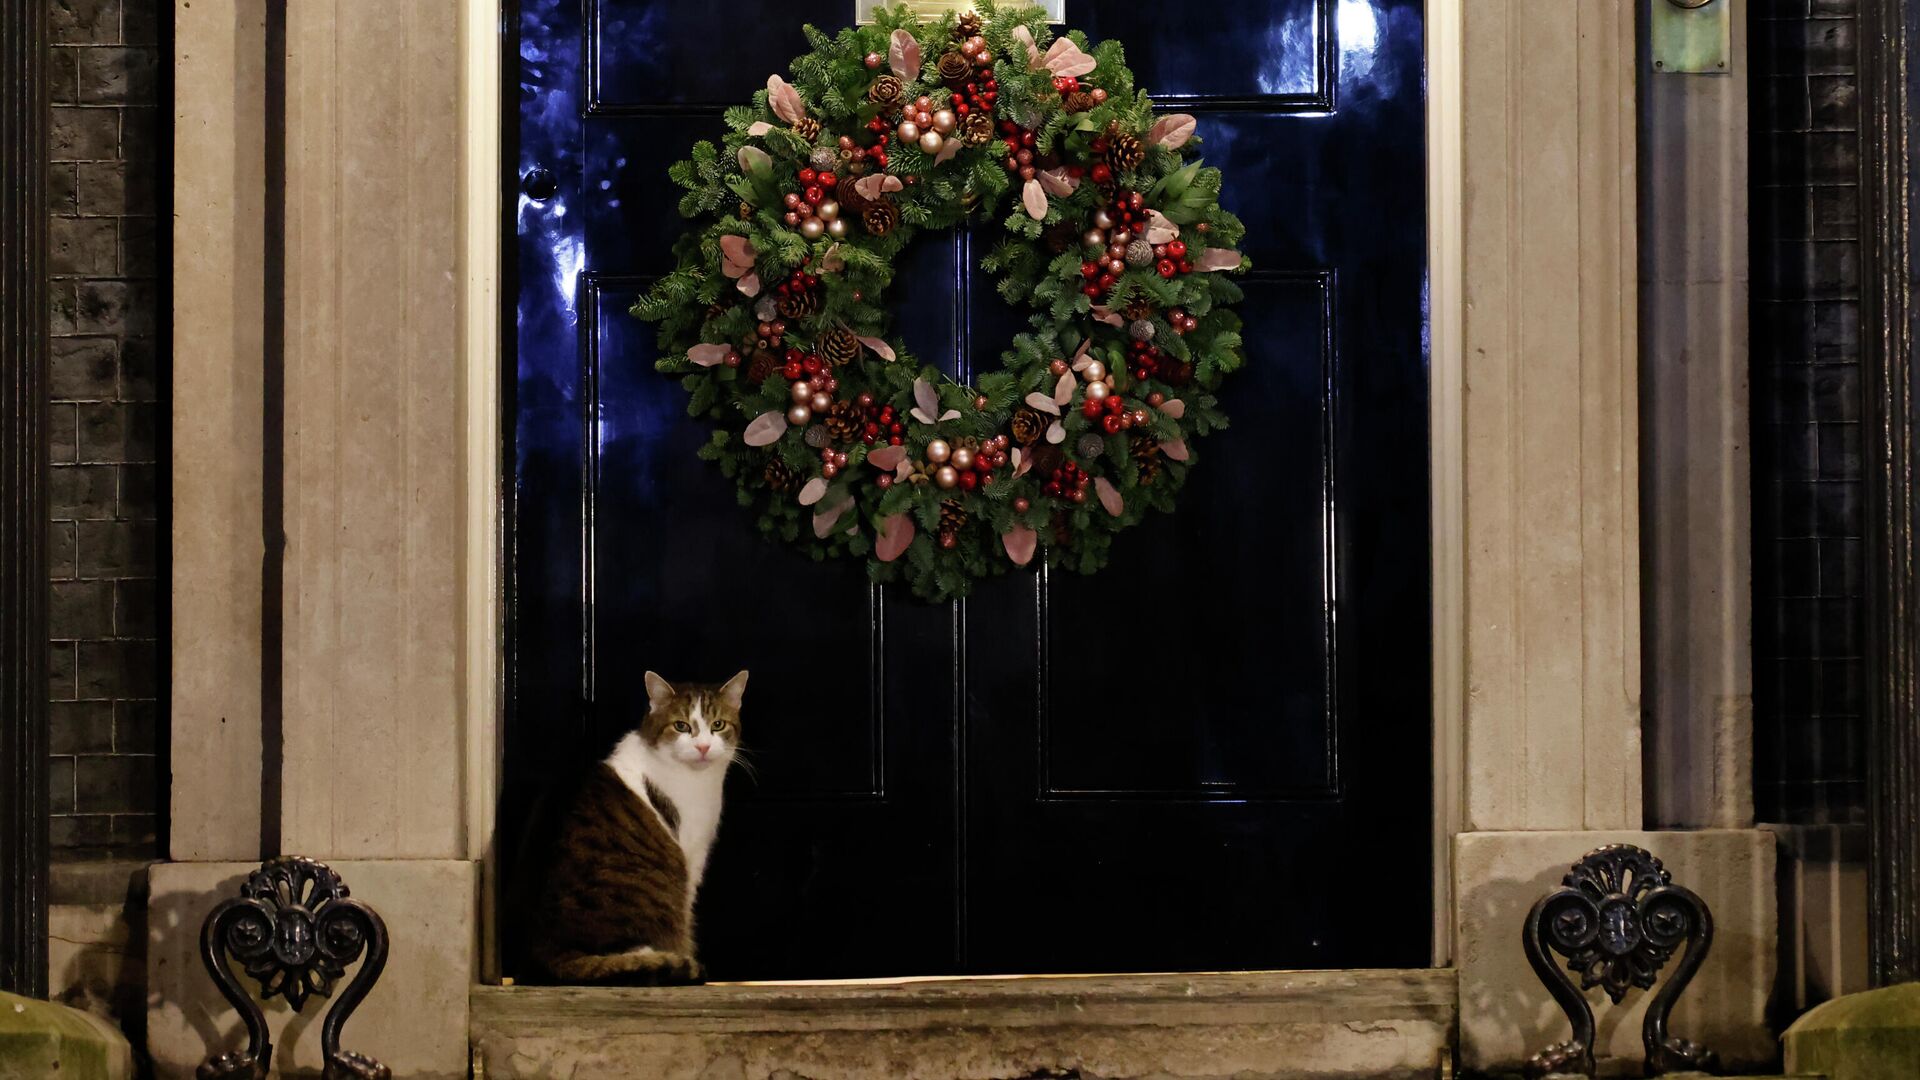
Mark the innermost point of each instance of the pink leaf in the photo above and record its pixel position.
(1035, 199)
(1019, 543)
(1044, 403)
(1175, 449)
(832, 262)
(815, 490)
(1058, 183)
(785, 100)
(880, 348)
(1171, 132)
(1080, 357)
(872, 187)
(887, 458)
(903, 55)
(1174, 407)
(1025, 37)
(824, 520)
(1064, 58)
(749, 285)
(1021, 463)
(709, 355)
(1056, 433)
(925, 396)
(737, 254)
(1109, 496)
(1161, 229)
(1063, 390)
(948, 151)
(759, 128)
(1102, 313)
(752, 158)
(896, 535)
(1214, 259)
(766, 428)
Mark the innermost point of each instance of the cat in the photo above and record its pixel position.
(618, 905)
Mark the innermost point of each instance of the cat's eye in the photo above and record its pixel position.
(682, 725)
(719, 725)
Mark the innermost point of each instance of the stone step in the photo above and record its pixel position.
(1253, 1026)
(42, 1039)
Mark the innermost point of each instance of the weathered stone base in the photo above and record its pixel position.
(1862, 1036)
(1255, 1026)
(1506, 1014)
(416, 1018)
(42, 1039)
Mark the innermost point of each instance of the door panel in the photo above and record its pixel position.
(959, 788)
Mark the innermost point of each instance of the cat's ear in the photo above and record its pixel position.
(735, 691)
(659, 691)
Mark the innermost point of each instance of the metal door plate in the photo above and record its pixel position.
(1689, 36)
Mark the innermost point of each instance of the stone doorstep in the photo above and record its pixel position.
(1251, 1026)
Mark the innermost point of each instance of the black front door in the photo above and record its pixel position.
(955, 788)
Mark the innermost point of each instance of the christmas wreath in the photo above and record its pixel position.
(775, 314)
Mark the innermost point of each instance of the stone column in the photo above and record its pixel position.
(321, 548)
(1552, 619)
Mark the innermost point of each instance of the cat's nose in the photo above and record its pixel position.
(703, 747)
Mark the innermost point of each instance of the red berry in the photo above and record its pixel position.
(808, 176)
(1167, 268)
(1089, 270)
(1090, 409)
(794, 372)
(1110, 424)
(1021, 505)
(969, 481)
(1102, 173)
(1177, 249)
(815, 194)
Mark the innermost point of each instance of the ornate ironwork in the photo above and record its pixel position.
(294, 928)
(1617, 919)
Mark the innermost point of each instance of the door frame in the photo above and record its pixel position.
(1890, 319)
(24, 810)
(488, 471)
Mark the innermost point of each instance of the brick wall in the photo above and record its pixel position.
(107, 426)
(1808, 475)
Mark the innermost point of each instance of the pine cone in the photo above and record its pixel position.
(887, 92)
(746, 210)
(970, 24)
(1146, 457)
(1048, 457)
(955, 70)
(807, 128)
(1125, 152)
(780, 476)
(977, 129)
(838, 346)
(799, 304)
(844, 421)
(1139, 309)
(1176, 373)
(1062, 238)
(1078, 101)
(880, 217)
(763, 365)
(1140, 253)
(953, 516)
(1027, 425)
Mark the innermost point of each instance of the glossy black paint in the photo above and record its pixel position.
(989, 785)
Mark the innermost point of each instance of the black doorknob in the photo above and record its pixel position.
(540, 184)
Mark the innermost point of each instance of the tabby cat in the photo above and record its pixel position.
(618, 906)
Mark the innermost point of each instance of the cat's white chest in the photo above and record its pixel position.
(694, 793)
